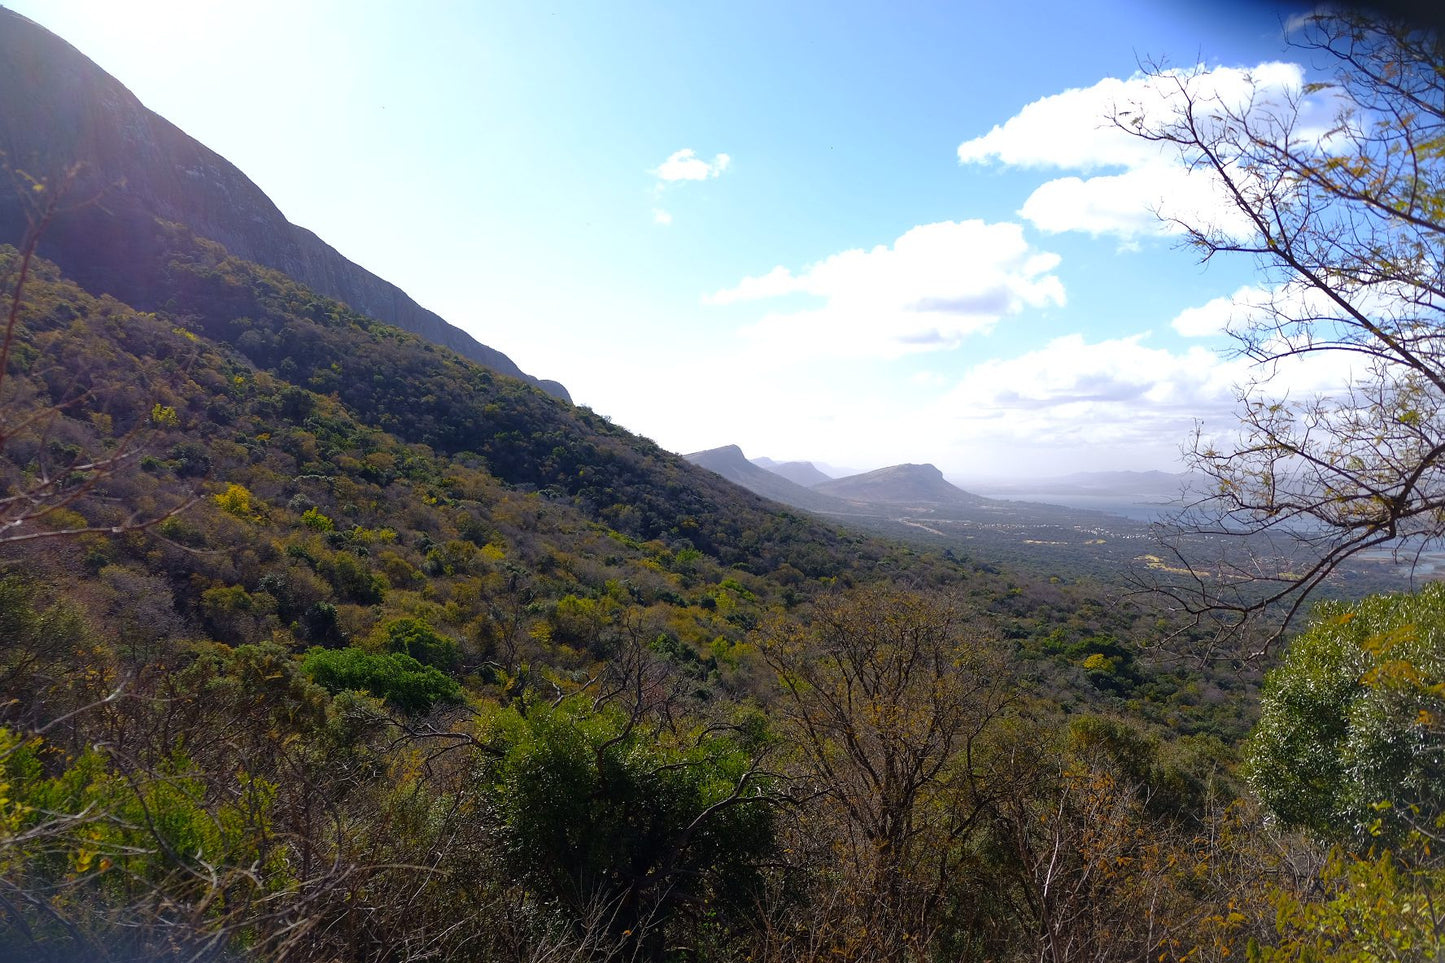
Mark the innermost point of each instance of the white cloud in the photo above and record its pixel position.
(1102, 381)
(1066, 130)
(934, 286)
(929, 379)
(685, 165)
(1219, 315)
(1073, 129)
(1150, 199)
(1297, 316)
(1073, 399)
(1117, 204)
(1134, 186)
(777, 282)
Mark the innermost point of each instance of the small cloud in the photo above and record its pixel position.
(685, 165)
(1298, 21)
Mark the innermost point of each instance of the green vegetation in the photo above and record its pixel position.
(318, 642)
(1349, 746)
(392, 676)
(631, 828)
(554, 699)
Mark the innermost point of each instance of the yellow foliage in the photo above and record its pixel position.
(164, 416)
(236, 500)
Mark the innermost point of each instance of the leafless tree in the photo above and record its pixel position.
(1346, 221)
(890, 697)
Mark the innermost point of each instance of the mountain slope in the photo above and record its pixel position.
(900, 485)
(803, 473)
(59, 111)
(729, 462)
(390, 380)
(342, 625)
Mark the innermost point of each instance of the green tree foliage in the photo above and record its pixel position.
(1351, 736)
(416, 638)
(1349, 746)
(602, 814)
(398, 678)
(1375, 908)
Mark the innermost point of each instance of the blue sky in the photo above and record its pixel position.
(788, 226)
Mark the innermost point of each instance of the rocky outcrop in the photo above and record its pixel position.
(59, 111)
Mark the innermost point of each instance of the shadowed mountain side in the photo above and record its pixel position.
(59, 111)
(803, 473)
(729, 462)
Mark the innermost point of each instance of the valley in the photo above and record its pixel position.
(329, 633)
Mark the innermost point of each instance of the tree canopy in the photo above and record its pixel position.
(1337, 189)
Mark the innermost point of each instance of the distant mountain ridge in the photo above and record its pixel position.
(59, 111)
(900, 485)
(917, 503)
(803, 473)
(887, 491)
(730, 462)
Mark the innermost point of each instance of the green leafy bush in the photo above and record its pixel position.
(596, 811)
(1352, 724)
(399, 679)
(416, 638)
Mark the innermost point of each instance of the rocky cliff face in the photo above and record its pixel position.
(58, 111)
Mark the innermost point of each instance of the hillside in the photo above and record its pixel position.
(730, 462)
(916, 485)
(305, 570)
(321, 640)
(306, 404)
(803, 473)
(59, 112)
